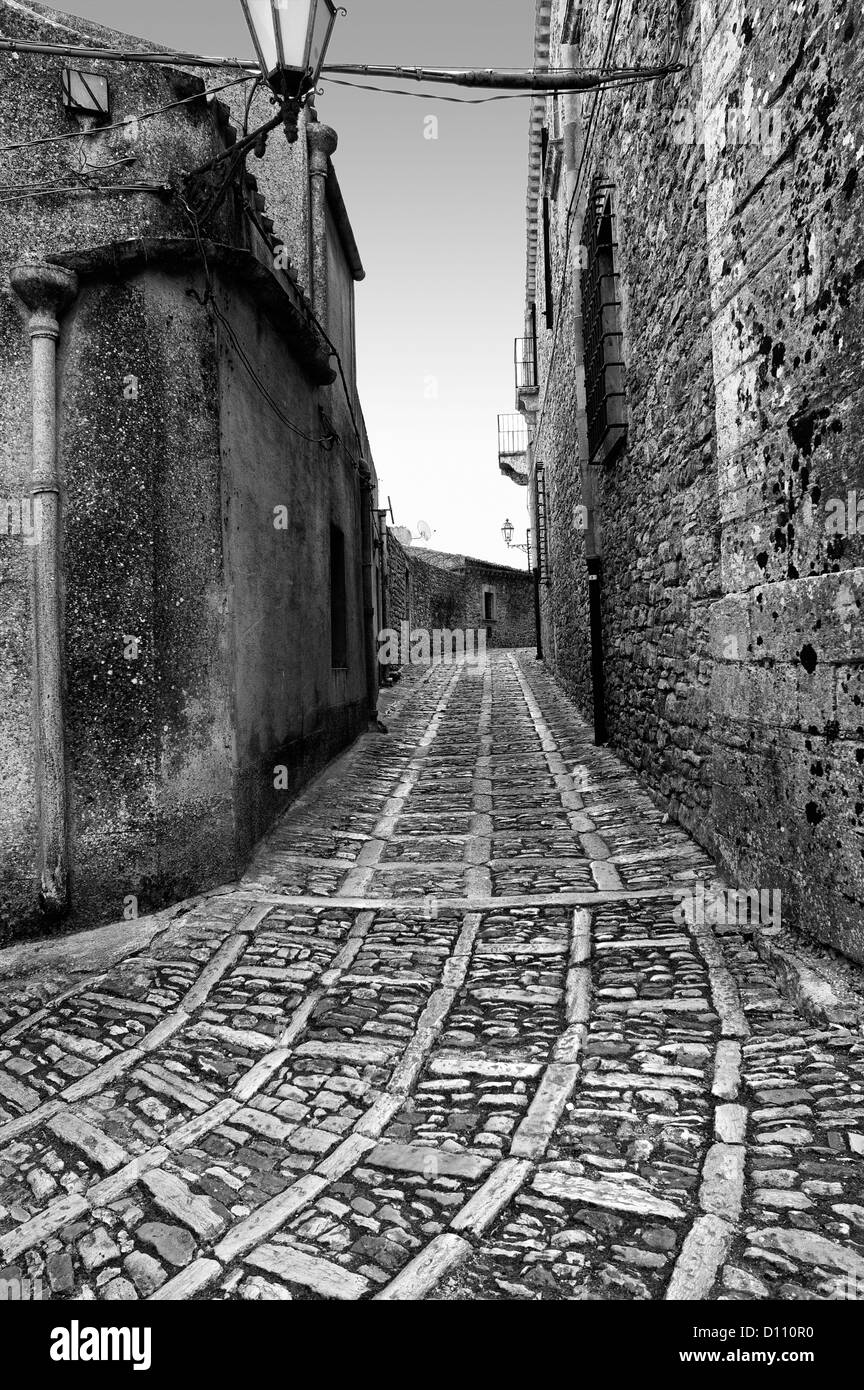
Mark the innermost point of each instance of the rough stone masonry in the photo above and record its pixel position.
(725, 283)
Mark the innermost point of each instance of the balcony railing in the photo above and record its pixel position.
(525, 358)
(513, 447)
(512, 436)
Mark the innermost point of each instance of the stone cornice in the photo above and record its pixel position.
(278, 298)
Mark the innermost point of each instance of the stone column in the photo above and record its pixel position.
(46, 291)
(322, 142)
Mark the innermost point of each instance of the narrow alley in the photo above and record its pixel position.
(452, 1036)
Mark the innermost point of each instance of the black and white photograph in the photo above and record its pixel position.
(431, 681)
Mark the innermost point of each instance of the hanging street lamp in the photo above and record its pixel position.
(291, 39)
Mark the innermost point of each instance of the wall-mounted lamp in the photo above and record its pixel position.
(291, 39)
(507, 532)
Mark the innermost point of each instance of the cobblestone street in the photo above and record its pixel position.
(448, 1038)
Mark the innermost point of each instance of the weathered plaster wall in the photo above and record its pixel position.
(18, 813)
(172, 462)
(283, 178)
(340, 302)
(148, 719)
(292, 708)
(30, 107)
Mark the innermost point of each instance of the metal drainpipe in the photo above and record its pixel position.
(46, 291)
(535, 519)
(598, 678)
(321, 141)
(385, 570)
(538, 613)
(367, 497)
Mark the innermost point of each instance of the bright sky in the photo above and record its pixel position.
(441, 228)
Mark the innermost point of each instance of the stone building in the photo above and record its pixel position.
(433, 591)
(187, 586)
(690, 375)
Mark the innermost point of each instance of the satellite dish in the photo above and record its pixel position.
(424, 530)
(403, 535)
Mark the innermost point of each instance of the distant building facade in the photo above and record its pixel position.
(689, 375)
(431, 591)
(188, 559)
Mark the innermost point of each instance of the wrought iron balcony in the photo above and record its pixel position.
(513, 448)
(525, 358)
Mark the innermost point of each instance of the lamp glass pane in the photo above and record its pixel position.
(260, 18)
(293, 18)
(325, 18)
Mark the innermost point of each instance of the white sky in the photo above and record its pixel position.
(441, 229)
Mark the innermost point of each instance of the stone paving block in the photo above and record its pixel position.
(414, 1158)
(91, 1141)
(321, 1276)
(625, 1197)
(174, 1197)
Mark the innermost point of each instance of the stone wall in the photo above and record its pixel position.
(787, 274)
(432, 591)
(654, 507)
(514, 622)
(731, 610)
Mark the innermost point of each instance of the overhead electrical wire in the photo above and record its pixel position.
(124, 55)
(325, 440)
(618, 80)
(253, 217)
(487, 77)
(77, 190)
(208, 301)
(130, 120)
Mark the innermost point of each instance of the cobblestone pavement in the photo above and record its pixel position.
(448, 1038)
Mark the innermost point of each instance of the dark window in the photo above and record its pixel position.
(534, 343)
(601, 316)
(547, 262)
(488, 606)
(338, 600)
